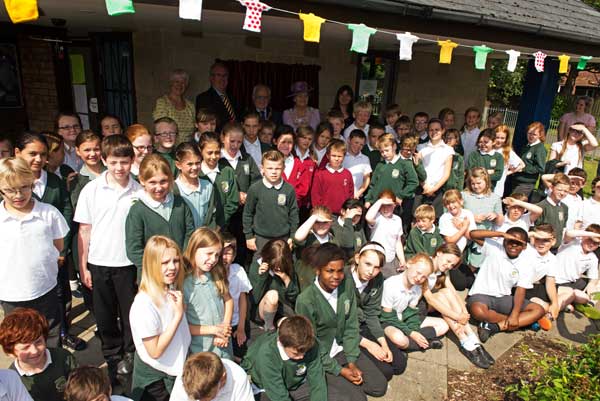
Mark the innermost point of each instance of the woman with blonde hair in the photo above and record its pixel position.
(512, 162)
(174, 105)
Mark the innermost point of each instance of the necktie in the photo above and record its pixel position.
(263, 114)
(229, 107)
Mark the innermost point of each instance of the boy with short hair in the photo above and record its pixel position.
(165, 137)
(207, 377)
(490, 299)
(267, 129)
(516, 205)
(206, 121)
(392, 114)
(286, 363)
(271, 210)
(577, 178)
(408, 152)
(376, 130)
(424, 237)
(89, 383)
(251, 144)
(333, 184)
(358, 163)
(554, 211)
(403, 127)
(336, 119)
(362, 114)
(103, 264)
(420, 120)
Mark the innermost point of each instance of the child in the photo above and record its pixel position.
(271, 210)
(534, 156)
(512, 162)
(274, 283)
(56, 156)
(207, 377)
(88, 383)
(442, 297)
(158, 211)
(318, 229)
(403, 128)
(485, 156)
(223, 179)
(305, 137)
(332, 185)
(208, 305)
(336, 119)
(323, 135)
(141, 140)
(554, 211)
(420, 120)
(470, 131)
(110, 125)
(12, 387)
(386, 229)
(516, 206)
(252, 145)
(23, 218)
(392, 114)
(330, 304)
(400, 317)
(490, 299)
(408, 152)
(364, 270)
(357, 163)
(424, 237)
(165, 137)
(362, 114)
(206, 121)
(448, 117)
(158, 324)
(570, 151)
(457, 173)
(239, 288)
(6, 147)
(103, 264)
(577, 178)
(87, 146)
(294, 171)
(267, 129)
(371, 150)
(590, 210)
(494, 120)
(68, 125)
(43, 371)
(350, 218)
(197, 191)
(286, 363)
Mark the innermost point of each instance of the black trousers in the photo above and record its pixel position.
(399, 357)
(462, 277)
(374, 383)
(156, 391)
(63, 291)
(48, 306)
(113, 291)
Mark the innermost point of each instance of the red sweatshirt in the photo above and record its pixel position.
(332, 189)
(300, 179)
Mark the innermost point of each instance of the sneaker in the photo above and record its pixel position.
(73, 284)
(545, 323)
(436, 343)
(483, 332)
(485, 355)
(73, 342)
(535, 326)
(588, 311)
(125, 367)
(475, 357)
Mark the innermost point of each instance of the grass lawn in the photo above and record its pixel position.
(589, 165)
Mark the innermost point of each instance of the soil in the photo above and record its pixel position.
(489, 385)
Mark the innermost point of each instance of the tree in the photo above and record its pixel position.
(505, 87)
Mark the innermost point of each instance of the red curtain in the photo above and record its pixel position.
(243, 75)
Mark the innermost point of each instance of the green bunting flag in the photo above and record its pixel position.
(118, 7)
(583, 62)
(481, 53)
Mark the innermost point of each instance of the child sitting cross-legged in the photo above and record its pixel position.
(89, 383)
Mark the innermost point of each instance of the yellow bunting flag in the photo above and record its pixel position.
(312, 27)
(446, 47)
(563, 67)
(21, 10)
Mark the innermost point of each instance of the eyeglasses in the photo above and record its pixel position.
(166, 134)
(10, 192)
(74, 127)
(141, 148)
(262, 98)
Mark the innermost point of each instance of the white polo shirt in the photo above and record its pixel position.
(542, 265)
(434, 160)
(359, 166)
(447, 227)
(523, 222)
(11, 387)
(575, 205)
(29, 262)
(397, 297)
(590, 213)
(387, 231)
(106, 209)
(498, 274)
(39, 185)
(254, 150)
(233, 161)
(468, 139)
(573, 263)
(238, 283)
(352, 127)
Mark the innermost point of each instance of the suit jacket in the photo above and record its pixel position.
(212, 100)
(272, 115)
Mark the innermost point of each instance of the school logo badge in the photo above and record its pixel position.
(246, 168)
(514, 273)
(298, 175)
(225, 186)
(528, 155)
(346, 306)
(493, 163)
(345, 182)
(301, 370)
(395, 173)
(359, 242)
(561, 216)
(433, 242)
(281, 199)
(373, 292)
(455, 166)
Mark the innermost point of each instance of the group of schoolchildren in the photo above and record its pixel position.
(344, 247)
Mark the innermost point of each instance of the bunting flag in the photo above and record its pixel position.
(190, 9)
(254, 10)
(21, 10)
(539, 60)
(481, 53)
(446, 48)
(312, 27)
(360, 37)
(513, 57)
(118, 7)
(406, 43)
(563, 67)
(582, 62)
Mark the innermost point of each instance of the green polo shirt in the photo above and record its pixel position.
(556, 216)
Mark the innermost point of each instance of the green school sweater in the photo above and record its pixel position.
(342, 237)
(341, 325)
(457, 174)
(50, 384)
(56, 194)
(246, 171)
(400, 177)
(278, 377)
(373, 155)
(261, 283)
(411, 321)
(170, 158)
(556, 216)
(368, 304)
(142, 223)
(421, 172)
(425, 242)
(493, 163)
(227, 195)
(270, 212)
(534, 158)
(351, 238)
(305, 272)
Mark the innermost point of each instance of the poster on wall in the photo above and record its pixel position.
(10, 82)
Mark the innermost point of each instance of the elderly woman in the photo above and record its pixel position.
(175, 106)
(301, 114)
(580, 115)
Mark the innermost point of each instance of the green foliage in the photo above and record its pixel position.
(505, 87)
(575, 377)
(593, 3)
(562, 105)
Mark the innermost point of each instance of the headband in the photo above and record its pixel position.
(372, 247)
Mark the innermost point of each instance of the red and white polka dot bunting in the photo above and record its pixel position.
(254, 10)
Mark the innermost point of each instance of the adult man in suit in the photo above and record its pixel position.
(261, 98)
(216, 98)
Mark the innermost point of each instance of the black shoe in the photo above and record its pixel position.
(125, 367)
(73, 342)
(483, 332)
(436, 343)
(475, 357)
(112, 370)
(485, 355)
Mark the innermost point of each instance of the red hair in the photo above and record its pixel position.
(22, 326)
(539, 127)
(135, 131)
